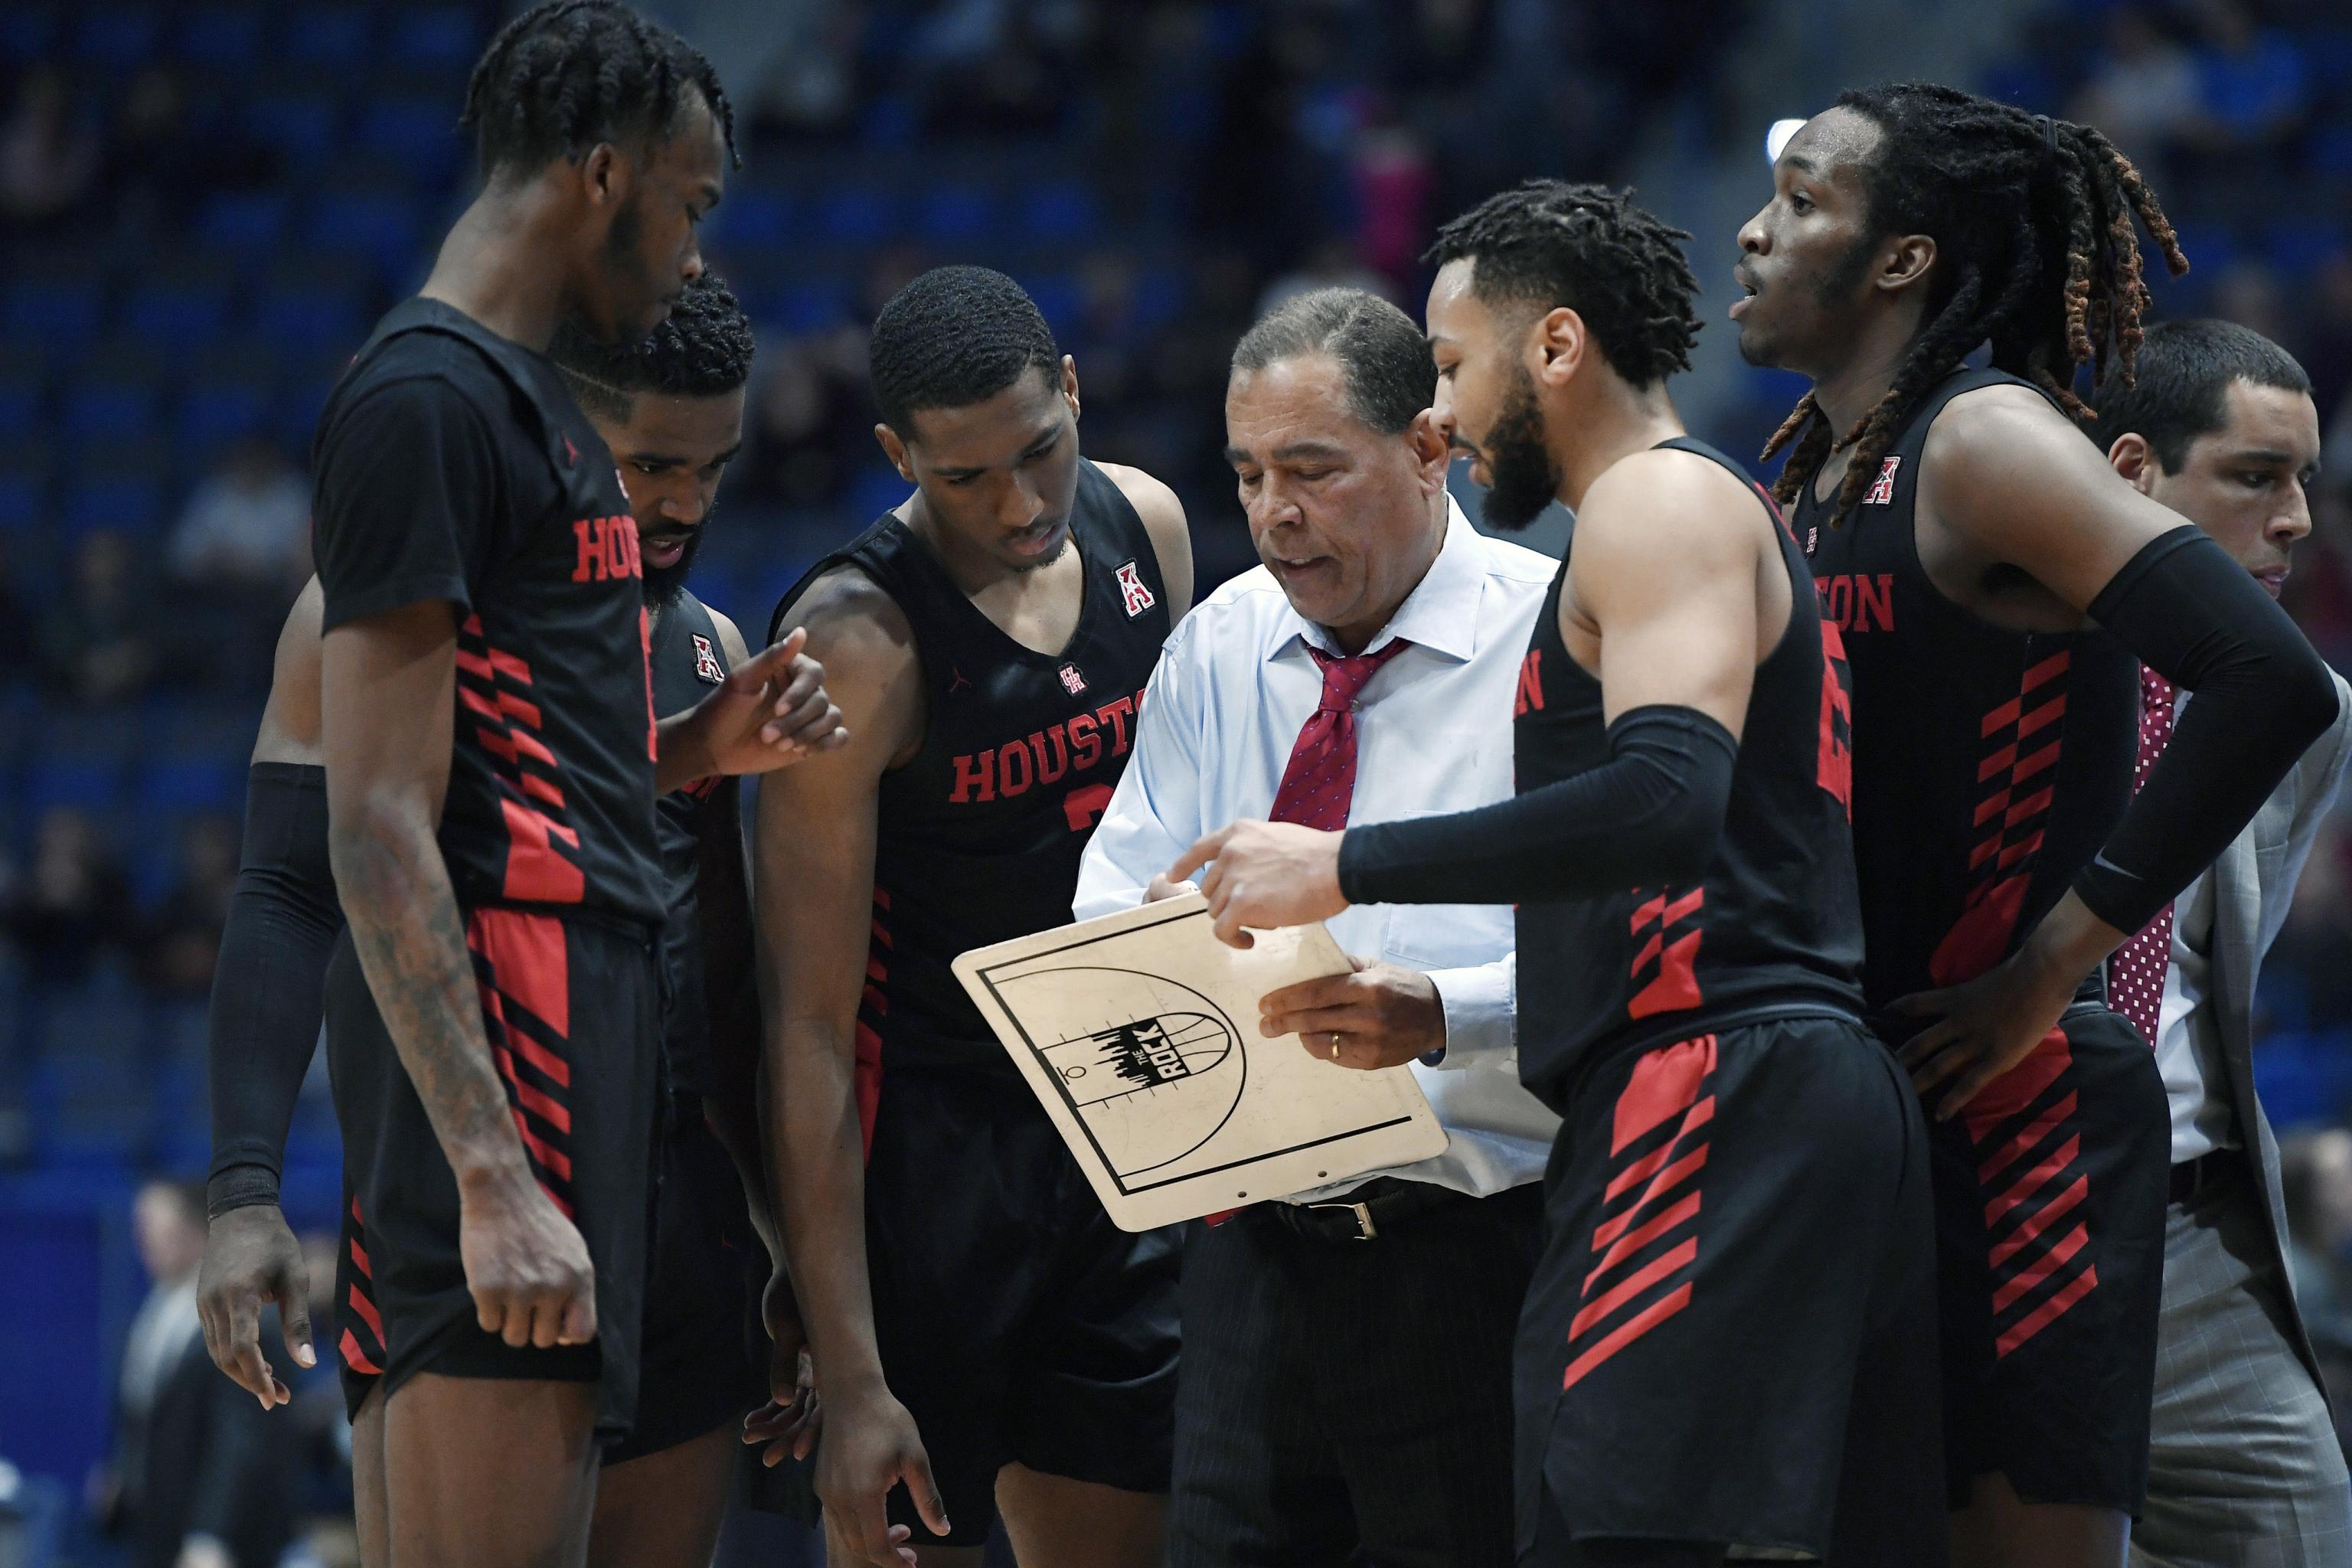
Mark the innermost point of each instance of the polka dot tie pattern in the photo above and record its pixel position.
(1320, 784)
(2135, 973)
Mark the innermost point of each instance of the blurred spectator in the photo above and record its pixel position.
(99, 642)
(811, 422)
(320, 1484)
(2325, 345)
(182, 941)
(2247, 292)
(2143, 90)
(2316, 1182)
(72, 902)
(48, 156)
(2253, 83)
(194, 1482)
(248, 524)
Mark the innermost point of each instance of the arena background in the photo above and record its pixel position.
(204, 207)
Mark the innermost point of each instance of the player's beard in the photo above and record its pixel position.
(1525, 479)
(664, 584)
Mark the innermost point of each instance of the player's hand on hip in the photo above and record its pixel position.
(870, 1446)
(250, 1256)
(1982, 1027)
(1266, 874)
(1378, 1016)
(793, 1417)
(526, 1265)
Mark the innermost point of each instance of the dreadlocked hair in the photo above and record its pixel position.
(2035, 253)
(1549, 243)
(703, 349)
(566, 75)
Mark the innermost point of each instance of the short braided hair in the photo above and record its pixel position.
(567, 74)
(1550, 243)
(2035, 253)
(702, 349)
(953, 337)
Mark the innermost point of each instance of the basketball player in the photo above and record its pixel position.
(981, 1332)
(671, 412)
(491, 763)
(1998, 587)
(1689, 939)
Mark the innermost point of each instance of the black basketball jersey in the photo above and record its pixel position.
(452, 464)
(979, 836)
(1772, 928)
(688, 661)
(1990, 766)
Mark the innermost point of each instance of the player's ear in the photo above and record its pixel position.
(895, 450)
(1907, 261)
(1070, 383)
(1558, 344)
(603, 175)
(2133, 458)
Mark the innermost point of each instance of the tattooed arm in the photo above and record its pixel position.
(388, 697)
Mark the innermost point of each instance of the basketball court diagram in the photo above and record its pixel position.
(1126, 1028)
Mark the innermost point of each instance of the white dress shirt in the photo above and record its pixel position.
(2187, 1040)
(1235, 686)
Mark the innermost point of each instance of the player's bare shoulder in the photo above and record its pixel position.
(731, 637)
(290, 722)
(1666, 504)
(1163, 518)
(873, 671)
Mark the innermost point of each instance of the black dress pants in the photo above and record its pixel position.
(1343, 1396)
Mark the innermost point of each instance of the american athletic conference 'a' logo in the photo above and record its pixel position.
(1131, 588)
(1881, 489)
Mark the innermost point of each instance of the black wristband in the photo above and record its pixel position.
(240, 1187)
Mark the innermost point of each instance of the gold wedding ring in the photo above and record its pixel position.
(1334, 1048)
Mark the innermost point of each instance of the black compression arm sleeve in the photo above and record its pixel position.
(2194, 616)
(269, 989)
(1653, 812)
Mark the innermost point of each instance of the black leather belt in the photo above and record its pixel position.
(1366, 1213)
(2206, 1172)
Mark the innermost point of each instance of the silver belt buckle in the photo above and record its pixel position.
(1365, 1229)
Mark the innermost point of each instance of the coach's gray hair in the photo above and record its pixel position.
(1381, 353)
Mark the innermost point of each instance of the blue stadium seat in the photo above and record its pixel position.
(214, 413)
(22, 502)
(1159, 297)
(88, 779)
(750, 221)
(61, 313)
(443, 35)
(224, 37)
(121, 38)
(379, 226)
(132, 504)
(418, 133)
(187, 785)
(2330, 151)
(953, 215)
(811, 307)
(245, 222)
(1060, 299)
(854, 215)
(2298, 246)
(28, 33)
(298, 410)
(177, 319)
(1058, 213)
(309, 321)
(104, 409)
(327, 34)
(21, 404)
(300, 128)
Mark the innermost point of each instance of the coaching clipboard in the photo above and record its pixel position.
(1138, 1031)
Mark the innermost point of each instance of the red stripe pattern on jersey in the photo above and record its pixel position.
(1666, 924)
(522, 969)
(494, 690)
(873, 1007)
(362, 1345)
(2015, 778)
(1645, 1248)
(2028, 1164)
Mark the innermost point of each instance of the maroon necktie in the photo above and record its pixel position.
(2135, 973)
(1320, 781)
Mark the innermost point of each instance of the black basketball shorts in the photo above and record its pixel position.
(2049, 1198)
(1731, 1334)
(1015, 1322)
(696, 1368)
(573, 1012)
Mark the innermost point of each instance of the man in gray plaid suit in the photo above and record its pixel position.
(2245, 1470)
